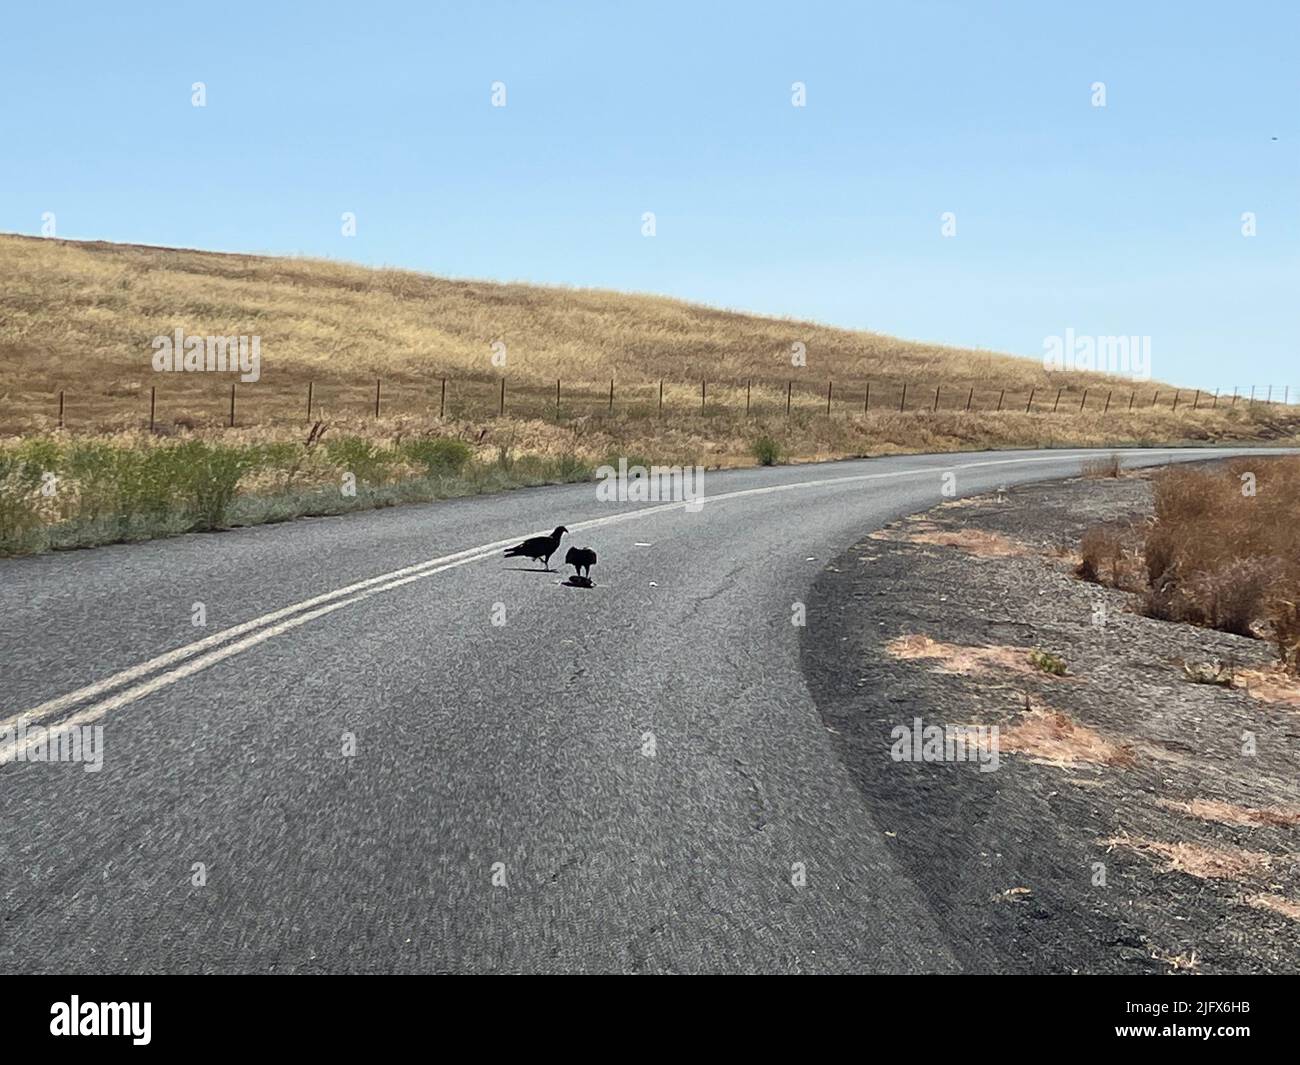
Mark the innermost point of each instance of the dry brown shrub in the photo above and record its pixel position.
(1222, 549)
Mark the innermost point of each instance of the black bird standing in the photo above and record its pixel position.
(581, 558)
(539, 547)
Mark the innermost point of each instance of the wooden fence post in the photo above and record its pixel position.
(376, 397)
(60, 408)
(501, 409)
(704, 387)
(557, 399)
(232, 404)
(970, 396)
(661, 397)
(153, 404)
(1196, 400)
(935, 408)
(902, 403)
(1030, 404)
(1107, 406)
(789, 385)
(1175, 406)
(1057, 403)
(828, 398)
(1000, 395)
(1083, 402)
(866, 401)
(310, 386)
(748, 384)
(611, 395)
(442, 402)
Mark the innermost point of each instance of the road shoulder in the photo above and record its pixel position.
(1126, 828)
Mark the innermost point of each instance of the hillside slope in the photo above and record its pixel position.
(77, 315)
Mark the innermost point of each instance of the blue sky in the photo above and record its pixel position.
(1117, 220)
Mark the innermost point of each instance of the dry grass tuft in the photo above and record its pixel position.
(1204, 863)
(1275, 903)
(976, 542)
(1225, 813)
(958, 659)
(1050, 737)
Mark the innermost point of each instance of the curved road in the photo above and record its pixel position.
(627, 778)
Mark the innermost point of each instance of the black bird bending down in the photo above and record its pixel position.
(539, 547)
(581, 558)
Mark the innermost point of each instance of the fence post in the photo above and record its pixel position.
(611, 395)
(153, 404)
(1215, 402)
(376, 397)
(1175, 406)
(866, 402)
(310, 384)
(1131, 397)
(788, 386)
(1234, 395)
(748, 384)
(501, 409)
(902, 403)
(1083, 402)
(1058, 399)
(1000, 395)
(557, 399)
(828, 398)
(661, 397)
(1196, 400)
(935, 408)
(970, 396)
(1107, 406)
(442, 402)
(1155, 397)
(60, 408)
(1252, 395)
(232, 404)
(1030, 404)
(704, 387)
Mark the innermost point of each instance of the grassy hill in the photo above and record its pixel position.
(80, 317)
(142, 453)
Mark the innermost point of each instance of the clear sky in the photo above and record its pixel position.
(1123, 219)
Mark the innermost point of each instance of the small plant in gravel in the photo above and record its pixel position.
(1046, 662)
(1214, 672)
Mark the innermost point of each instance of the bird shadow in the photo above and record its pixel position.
(527, 569)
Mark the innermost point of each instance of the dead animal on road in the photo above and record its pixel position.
(581, 559)
(538, 547)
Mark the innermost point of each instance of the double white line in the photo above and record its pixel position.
(195, 657)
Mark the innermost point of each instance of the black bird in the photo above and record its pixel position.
(581, 558)
(539, 547)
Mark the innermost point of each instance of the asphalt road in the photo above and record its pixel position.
(639, 767)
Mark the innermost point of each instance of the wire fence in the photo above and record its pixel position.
(225, 402)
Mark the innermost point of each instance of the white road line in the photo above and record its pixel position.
(279, 621)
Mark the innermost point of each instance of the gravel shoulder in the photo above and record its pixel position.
(1136, 821)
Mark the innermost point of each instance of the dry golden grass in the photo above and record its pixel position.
(1225, 813)
(80, 317)
(1050, 737)
(1204, 863)
(959, 659)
